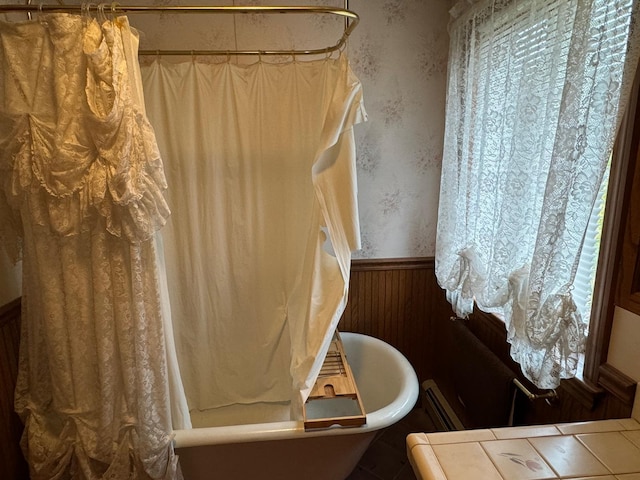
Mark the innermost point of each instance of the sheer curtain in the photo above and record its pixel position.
(81, 197)
(260, 160)
(536, 92)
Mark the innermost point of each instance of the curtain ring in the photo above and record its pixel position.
(40, 13)
(101, 15)
(85, 11)
(342, 48)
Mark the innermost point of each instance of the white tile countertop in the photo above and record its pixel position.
(602, 450)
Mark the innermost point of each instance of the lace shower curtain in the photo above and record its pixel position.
(261, 163)
(536, 92)
(80, 199)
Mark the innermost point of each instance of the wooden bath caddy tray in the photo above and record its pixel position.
(334, 399)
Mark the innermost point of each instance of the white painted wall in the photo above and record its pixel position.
(624, 348)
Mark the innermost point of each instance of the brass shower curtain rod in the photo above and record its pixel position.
(350, 17)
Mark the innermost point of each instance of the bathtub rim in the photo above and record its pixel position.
(290, 429)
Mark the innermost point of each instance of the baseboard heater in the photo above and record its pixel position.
(438, 409)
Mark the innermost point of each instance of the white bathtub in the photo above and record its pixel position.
(283, 450)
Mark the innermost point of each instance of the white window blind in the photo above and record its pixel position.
(513, 46)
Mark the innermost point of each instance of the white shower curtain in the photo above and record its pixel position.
(260, 161)
(81, 185)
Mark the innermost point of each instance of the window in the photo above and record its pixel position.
(583, 285)
(534, 96)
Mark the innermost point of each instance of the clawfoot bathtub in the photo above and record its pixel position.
(282, 449)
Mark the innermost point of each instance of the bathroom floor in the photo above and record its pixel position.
(386, 457)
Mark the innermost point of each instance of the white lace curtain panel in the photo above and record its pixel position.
(260, 160)
(536, 93)
(81, 195)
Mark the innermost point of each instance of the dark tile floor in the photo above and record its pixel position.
(386, 457)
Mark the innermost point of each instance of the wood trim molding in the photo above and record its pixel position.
(373, 264)
(608, 275)
(585, 393)
(617, 383)
(628, 294)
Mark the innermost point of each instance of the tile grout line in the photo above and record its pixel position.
(486, 454)
(544, 459)
(556, 475)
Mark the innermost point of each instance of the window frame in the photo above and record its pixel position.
(606, 293)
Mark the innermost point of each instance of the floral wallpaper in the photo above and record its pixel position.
(399, 53)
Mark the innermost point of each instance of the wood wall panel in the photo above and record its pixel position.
(397, 301)
(578, 401)
(12, 464)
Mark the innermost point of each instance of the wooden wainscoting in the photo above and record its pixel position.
(397, 300)
(400, 302)
(578, 401)
(12, 464)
